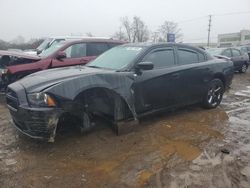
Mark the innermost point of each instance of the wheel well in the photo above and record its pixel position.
(221, 77)
(104, 102)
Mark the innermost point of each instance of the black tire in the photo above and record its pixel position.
(243, 68)
(214, 94)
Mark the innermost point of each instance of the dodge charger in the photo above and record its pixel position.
(121, 85)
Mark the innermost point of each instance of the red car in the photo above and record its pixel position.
(16, 65)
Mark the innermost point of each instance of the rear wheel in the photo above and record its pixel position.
(214, 94)
(243, 68)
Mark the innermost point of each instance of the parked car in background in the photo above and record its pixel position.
(122, 84)
(239, 58)
(48, 42)
(16, 65)
(245, 49)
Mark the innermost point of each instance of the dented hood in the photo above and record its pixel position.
(44, 79)
(19, 55)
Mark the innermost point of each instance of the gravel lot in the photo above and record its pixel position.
(190, 147)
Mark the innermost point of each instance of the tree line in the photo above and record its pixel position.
(136, 30)
(130, 30)
(34, 43)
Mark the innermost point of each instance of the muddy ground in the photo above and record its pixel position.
(173, 149)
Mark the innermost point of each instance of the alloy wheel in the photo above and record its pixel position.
(244, 68)
(214, 96)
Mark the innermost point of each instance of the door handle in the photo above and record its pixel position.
(175, 75)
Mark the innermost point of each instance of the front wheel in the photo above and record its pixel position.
(214, 94)
(243, 68)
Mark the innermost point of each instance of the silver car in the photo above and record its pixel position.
(239, 58)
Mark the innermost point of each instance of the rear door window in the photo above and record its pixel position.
(236, 53)
(76, 51)
(95, 49)
(187, 56)
(227, 53)
(161, 58)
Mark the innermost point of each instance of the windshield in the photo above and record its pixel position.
(116, 58)
(215, 51)
(51, 50)
(44, 44)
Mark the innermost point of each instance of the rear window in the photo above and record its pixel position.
(236, 52)
(111, 45)
(227, 53)
(244, 49)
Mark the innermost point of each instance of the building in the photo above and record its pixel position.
(234, 39)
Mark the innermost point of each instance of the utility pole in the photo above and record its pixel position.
(209, 29)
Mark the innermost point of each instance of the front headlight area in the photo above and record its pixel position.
(3, 71)
(41, 100)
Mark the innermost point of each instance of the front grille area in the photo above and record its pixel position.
(34, 122)
(12, 99)
(37, 126)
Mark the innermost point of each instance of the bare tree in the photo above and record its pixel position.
(132, 31)
(89, 34)
(140, 30)
(155, 36)
(120, 35)
(18, 40)
(127, 27)
(169, 27)
(32, 44)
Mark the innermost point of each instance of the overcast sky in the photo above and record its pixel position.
(41, 18)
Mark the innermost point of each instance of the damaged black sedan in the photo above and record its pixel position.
(121, 85)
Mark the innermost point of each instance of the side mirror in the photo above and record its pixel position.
(60, 55)
(145, 65)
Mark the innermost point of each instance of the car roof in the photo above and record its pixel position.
(76, 37)
(154, 44)
(89, 40)
(148, 44)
